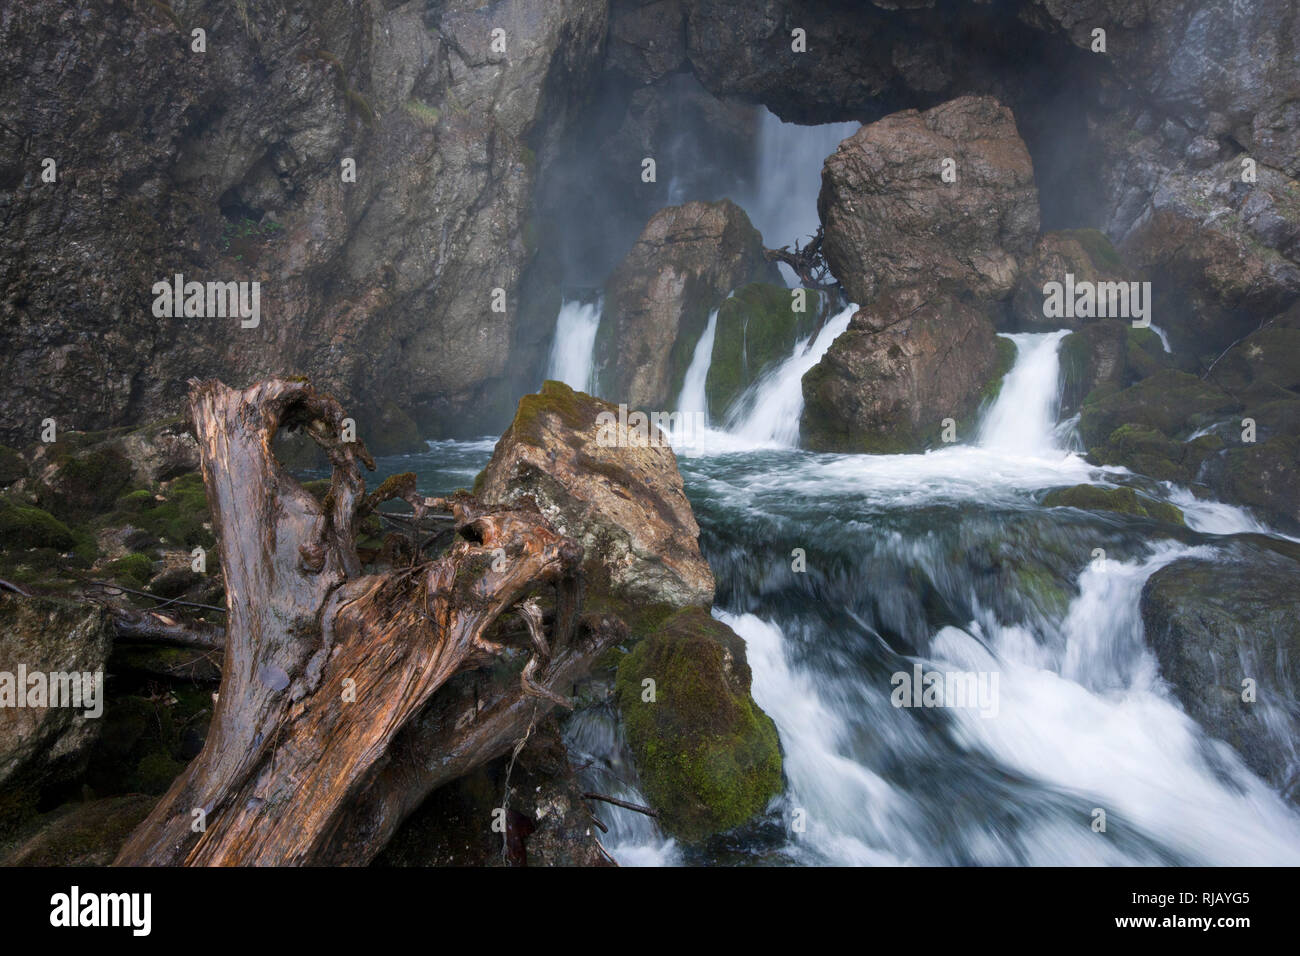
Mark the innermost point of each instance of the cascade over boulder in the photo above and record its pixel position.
(891, 219)
(757, 328)
(913, 357)
(658, 300)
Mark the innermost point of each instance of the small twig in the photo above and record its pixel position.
(622, 803)
(9, 586)
(164, 602)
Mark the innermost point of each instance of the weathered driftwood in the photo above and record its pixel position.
(324, 735)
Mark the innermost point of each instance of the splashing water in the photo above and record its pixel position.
(572, 354)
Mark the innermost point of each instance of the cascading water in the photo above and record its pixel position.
(769, 412)
(693, 399)
(572, 353)
(940, 563)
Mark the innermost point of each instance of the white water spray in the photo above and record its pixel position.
(573, 352)
(693, 398)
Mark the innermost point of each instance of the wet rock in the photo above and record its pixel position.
(1213, 625)
(1152, 453)
(1263, 476)
(708, 757)
(912, 358)
(1120, 500)
(41, 746)
(657, 302)
(1084, 253)
(1094, 357)
(757, 328)
(615, 490)
(1171, 402)
(891, 220)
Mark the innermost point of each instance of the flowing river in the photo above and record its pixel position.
(843, 572)
(948, 561)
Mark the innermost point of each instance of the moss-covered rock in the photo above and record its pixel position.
(1263, 476)
(757, 327)
(134, 568)
(1152, 453)
(709, 758)
(1146, 354)
(1171, 402)
(1093, 357)
(81, 486)
(610, 488)
(26, 526)
(391, 432)
(41, 746)
(176, 514)
(1121, 500)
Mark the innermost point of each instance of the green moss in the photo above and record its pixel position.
(86, 484)
(1120, 500)
(422, 112)
(756, 328)
(577, 410)
(709, 758)
(156, 772)
(25, 526)
(1169, 401)
(137, 568)
(1100, 249)
(177, 519)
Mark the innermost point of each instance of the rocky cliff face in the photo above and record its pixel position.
(228, 165)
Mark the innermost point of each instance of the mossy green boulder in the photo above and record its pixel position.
(708, 756)
(1121, 500)
(757, 327)
(1170, 401)
(26, 526)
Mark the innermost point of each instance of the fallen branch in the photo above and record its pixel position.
(622, 803)
(345, 699)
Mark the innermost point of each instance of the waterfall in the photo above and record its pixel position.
(790, 157)
(1023, 419)
(769, 411)
(693, 398)
(573, 351)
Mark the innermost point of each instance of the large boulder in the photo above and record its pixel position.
(608, 487)
(658, 299)
(891, 220)
(912, 358)
(1215, 624)
(708, 757)
(43, 745)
